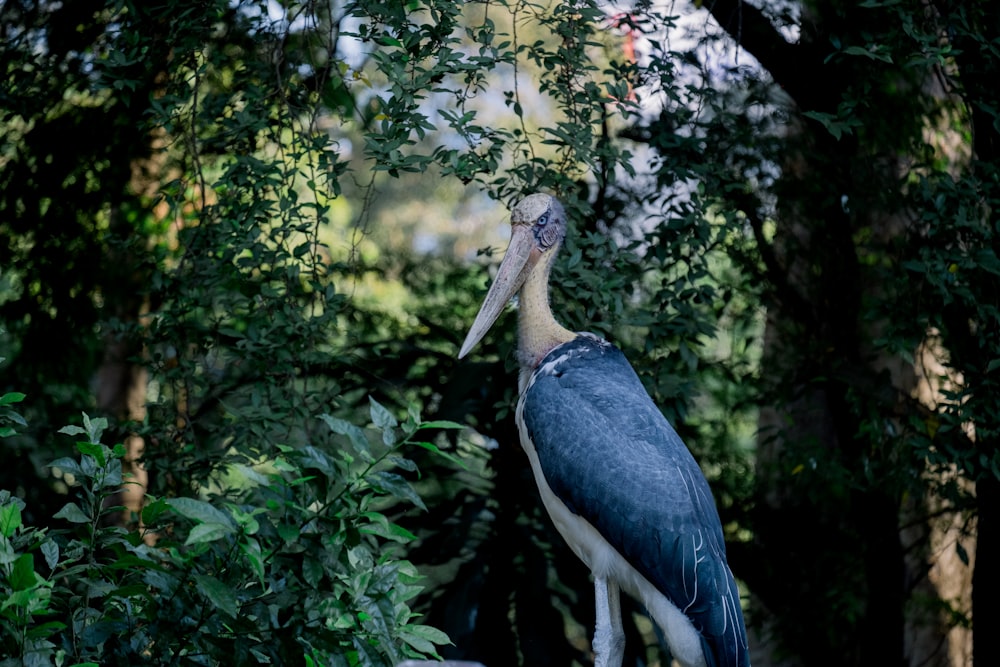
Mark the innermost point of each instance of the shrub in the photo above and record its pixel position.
(286, 561)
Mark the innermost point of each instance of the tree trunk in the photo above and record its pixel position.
(121, 392)
(986, 577)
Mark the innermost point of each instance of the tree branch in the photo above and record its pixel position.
(792, 66)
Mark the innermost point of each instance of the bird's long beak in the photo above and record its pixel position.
(513, 270)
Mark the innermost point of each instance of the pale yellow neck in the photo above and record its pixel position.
(537, 331)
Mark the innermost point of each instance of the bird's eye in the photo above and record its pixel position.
(543, 220)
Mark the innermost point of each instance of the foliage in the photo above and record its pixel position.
(8, 415)
(218, 206)
(285, 561)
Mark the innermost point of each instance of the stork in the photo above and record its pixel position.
(619, 484)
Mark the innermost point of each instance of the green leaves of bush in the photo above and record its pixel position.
(26, 595)
(286, 560)
(8, 415)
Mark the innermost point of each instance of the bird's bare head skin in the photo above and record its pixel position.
(538, 225)
(545, 216)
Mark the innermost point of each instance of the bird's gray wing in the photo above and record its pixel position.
(609, 454)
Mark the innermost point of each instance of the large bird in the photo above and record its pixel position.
(621, 487)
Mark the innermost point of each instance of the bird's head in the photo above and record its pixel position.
(538, 226)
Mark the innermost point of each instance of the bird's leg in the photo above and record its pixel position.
(609, 637)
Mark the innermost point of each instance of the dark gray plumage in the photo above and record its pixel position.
(609, 454)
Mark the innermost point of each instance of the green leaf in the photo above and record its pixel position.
(46, 630)
(153, 510)
(402, 463)
(11, 397)
(7, 553)
(312, 571)
(288, 532)
(199, 510)
(72, 513)
(313, 457)
(98, 588)
(431, 447)
(442, 423)
(413, 414)
(394, 484)
(429, 633)
(375, 619)
(281, 464)
(22, 576)
(94, 428)
(218, 593)
(829, 121)
(10, 519)
(255, 557)
(381, 417)
(388, 40)
(50, 550)
(872, 53)
(20, 599)
(247, 521)
(354, 434)
(368, 654)
(208, 532)
(94, 450)
(381, 526)
(423, 638)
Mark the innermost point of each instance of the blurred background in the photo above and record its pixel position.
(221, 220)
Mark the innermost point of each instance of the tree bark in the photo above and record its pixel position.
(121, 392)
(986, 577)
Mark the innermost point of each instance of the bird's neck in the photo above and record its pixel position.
(537, 331)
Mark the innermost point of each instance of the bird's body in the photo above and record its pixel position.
(618, 482)
(635, 508)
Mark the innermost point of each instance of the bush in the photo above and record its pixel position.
(286, 561)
